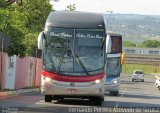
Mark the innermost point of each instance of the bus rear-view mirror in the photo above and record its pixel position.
(40, 38)
(108, 44)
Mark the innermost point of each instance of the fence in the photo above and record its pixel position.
(143, 59)
(148, 63)
(18, 73)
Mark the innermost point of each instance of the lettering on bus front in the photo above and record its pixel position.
(63, 34)
(80, 35)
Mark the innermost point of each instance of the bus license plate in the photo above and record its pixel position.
(72, 90)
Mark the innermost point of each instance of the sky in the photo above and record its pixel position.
(144, 7)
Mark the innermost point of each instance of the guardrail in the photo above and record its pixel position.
(142, 59)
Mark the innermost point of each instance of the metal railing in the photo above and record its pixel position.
(142, 59)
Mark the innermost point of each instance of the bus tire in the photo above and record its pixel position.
(114, 93)
(48, 98)
(102, 99)
(98, 101)
(57, 98)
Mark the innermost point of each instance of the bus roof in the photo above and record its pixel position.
(113, 34)
(68, 19)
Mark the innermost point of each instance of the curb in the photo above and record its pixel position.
(17, 92)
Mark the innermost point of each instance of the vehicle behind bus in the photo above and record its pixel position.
(114, 62)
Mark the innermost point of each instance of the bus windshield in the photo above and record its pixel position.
(74, 51)
(113, 66)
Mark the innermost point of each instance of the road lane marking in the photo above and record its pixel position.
(54, 103)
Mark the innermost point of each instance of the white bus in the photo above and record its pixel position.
(114, 64)
(74, 47)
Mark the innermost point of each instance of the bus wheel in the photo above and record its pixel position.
(61, 99)
(48, 98)
(114, 93)
(98, 101)
(102, 99)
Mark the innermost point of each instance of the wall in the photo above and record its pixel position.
(18, 73)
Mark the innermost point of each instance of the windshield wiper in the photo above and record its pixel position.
(82, 65)
(61, 61)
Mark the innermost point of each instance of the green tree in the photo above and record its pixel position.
(71, 7)
(2, 4)
(129, 44)
(11, 25)
(36, 12)
(151, 43)
(23, 23)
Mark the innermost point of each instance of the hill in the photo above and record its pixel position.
(135, 28)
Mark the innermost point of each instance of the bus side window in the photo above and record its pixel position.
(116, 44)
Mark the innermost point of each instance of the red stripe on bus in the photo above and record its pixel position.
(72, 78)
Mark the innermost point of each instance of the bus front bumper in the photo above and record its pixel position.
(111, 87)
(65, 88)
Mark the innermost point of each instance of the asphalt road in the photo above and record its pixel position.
(133, 97)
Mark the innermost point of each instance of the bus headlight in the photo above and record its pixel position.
(97, 81)
(48, 79)
(115, 81)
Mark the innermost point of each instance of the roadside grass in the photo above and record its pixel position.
(148, 69)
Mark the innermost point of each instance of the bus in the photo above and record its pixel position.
(74, 48)
(115, 59)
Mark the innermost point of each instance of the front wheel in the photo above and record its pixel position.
(98, 101)
(48, 98)
(114, 93)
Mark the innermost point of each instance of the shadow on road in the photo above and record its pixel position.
(142, 107)
(141, 96)
(83, 102)
(126, 82)
(48, 109)
(130, 82)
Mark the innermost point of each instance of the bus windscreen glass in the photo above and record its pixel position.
(113, 66)
(90, 49)
(74, 52)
